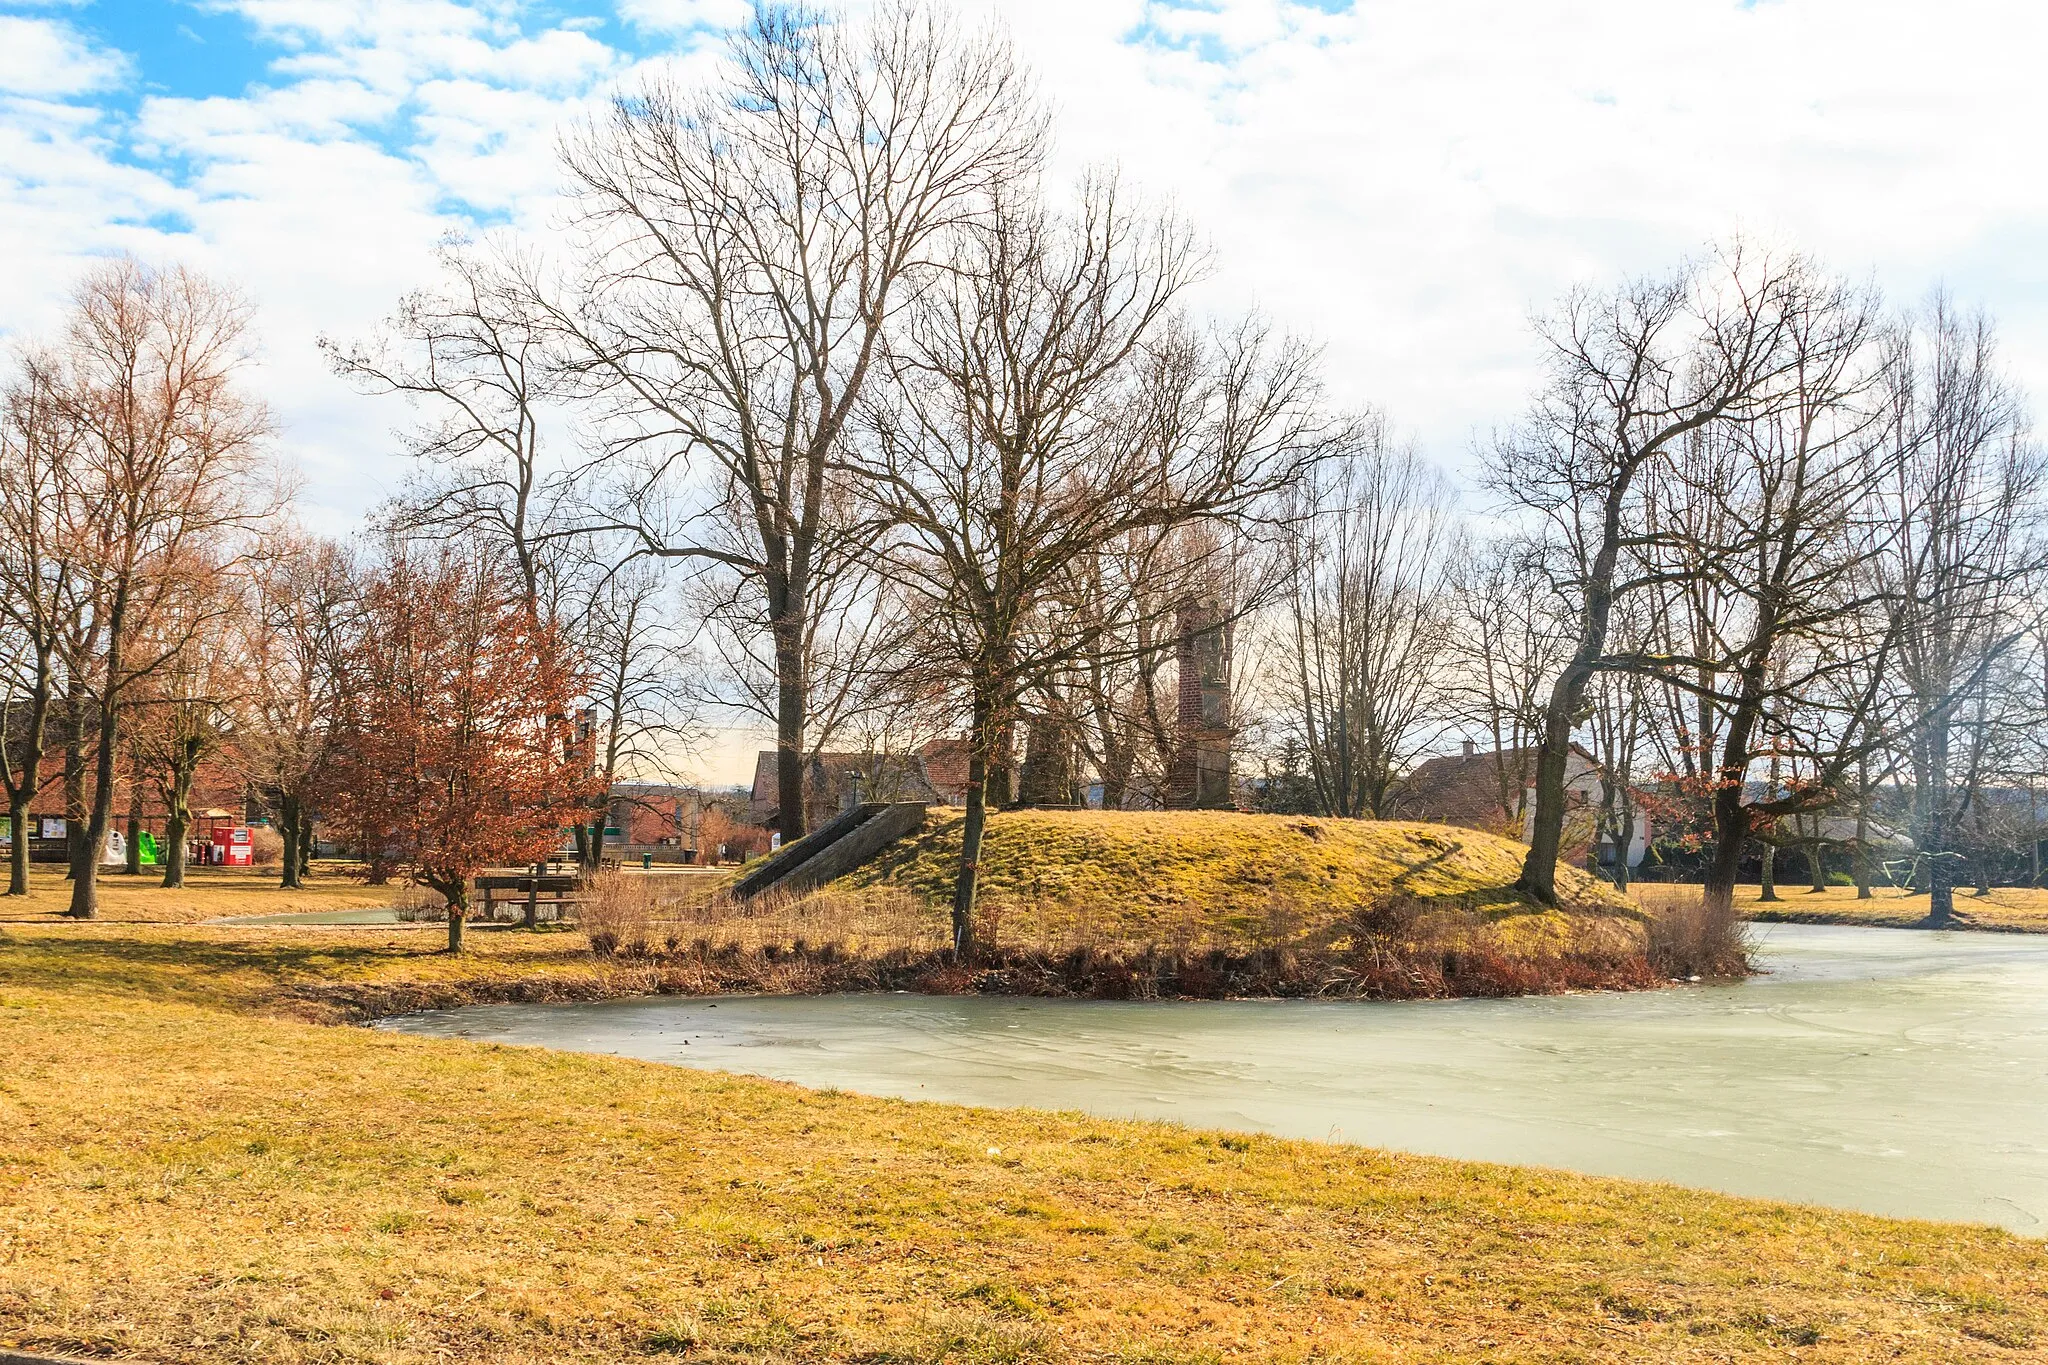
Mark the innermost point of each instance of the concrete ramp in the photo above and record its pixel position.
(833, 849)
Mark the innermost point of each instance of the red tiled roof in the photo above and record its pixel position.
(1467, 789)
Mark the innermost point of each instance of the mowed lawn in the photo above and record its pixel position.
(188, 1175)
(2009, 909)
(208, 893)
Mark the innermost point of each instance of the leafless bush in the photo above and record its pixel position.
(616, 913)
(853, 922)
(419, 903)
(1691, 941)
(266, 846)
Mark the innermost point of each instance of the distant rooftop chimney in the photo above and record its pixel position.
(1471, 748)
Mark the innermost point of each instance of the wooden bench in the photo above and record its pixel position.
(529, 890)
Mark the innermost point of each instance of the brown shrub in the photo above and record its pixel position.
(419, 903)
(266, 846)
(740, 841)
(616, 913)
(1690, 941)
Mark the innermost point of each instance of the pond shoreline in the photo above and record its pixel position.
(1016, 974)
(1962, 924)
(522, 1204)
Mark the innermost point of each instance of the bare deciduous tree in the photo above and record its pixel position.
(1631, 374)
(1508, 642)
(472, 355)
(181, 715)
(741, 249)
(1792, 535)
(149, 370)
(41, 579)
(639, 721)
(299, 620)
(1967, 501)
(1368, 602)
(1045, 404)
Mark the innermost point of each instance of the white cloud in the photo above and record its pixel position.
(679, 16)
(1409, 181)
(1405, 181)
(46, 57)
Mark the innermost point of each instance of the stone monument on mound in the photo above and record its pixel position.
(1199, 778)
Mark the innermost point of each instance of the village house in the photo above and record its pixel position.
(1494, 790)
(688, 824)
(936, 774)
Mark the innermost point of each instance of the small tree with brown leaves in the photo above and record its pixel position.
(455, 746)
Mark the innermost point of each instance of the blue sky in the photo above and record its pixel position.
(1405, 181)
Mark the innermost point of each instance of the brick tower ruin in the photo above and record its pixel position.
(1199, 778)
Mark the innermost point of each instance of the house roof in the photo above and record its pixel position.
(832, 775)
(945, 766)
(1466, 789)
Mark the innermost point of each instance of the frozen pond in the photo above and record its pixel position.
(370, 915)
(1894, 1071)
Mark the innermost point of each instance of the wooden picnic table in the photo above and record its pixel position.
(532, 889)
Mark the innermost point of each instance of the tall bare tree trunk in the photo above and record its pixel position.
(979, 740)
(131, 856)
(1626, 839)
(1731, 813)
(74, 777)
(288, 829)
(2033, 835)
(1567, 695)
(1934, 838)
(178, 815)
(21, 794)
(17, 855)
(1767, 870)
(85, 886)
(790, 708)
(1862, 853)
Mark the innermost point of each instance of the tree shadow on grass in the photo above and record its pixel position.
(1503, 898)
(238, 973)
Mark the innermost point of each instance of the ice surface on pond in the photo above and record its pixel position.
(1887, 1070)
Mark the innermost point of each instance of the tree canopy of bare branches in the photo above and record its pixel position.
(149, 374)
(741, 248)
(1369, 550)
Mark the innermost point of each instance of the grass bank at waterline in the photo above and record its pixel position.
(2006, 909)
(186, 1177)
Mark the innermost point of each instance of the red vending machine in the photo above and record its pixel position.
(231, 847)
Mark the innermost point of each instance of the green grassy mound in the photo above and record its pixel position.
(1246, 881)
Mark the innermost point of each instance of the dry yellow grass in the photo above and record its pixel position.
(184, 1180)
(2012, 909)
(1231, 880)
(208, 893)
(310, 972)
